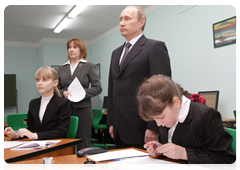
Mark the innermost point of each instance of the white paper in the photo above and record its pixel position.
(143, 163)
(10, 144)
(76, 90)
(117, 154)
(36, 145)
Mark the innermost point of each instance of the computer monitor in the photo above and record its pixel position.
(211, 98)
(105, 102)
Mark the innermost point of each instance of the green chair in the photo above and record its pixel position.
(73, 126)
(16, 121)
(236, 115)
(97, 116)
(233, 134)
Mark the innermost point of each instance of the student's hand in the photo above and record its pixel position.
(150, 135)
(27, 133)
(9, 132)
(111, 130)
(66, 93)
(150, 148)
(173, 151)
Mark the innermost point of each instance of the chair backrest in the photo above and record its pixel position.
(233, 134)
(97, 116)
(16, 121)
(73, 126)
(236, 115)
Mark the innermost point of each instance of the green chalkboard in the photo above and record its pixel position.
(10, 91)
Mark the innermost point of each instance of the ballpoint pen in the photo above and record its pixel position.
(13, 131)
(155, 146)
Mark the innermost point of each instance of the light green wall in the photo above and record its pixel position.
(22, 61)
(196, 64)
(187, 32)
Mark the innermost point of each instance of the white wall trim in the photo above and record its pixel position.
(147, 10)
(20, 44)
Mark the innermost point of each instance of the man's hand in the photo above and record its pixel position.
(150, 135)
(111, 130)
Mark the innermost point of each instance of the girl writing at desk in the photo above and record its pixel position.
(48, 116)
(188, 130)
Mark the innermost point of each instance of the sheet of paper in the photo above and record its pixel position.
(143, 163)
(116, 155)
(77, 91)
(10, 144)
(36, 145)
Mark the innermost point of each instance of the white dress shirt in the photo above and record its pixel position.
(44, 103)
(71, 68)
(132, 42)
(182, 116)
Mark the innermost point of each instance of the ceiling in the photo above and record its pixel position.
(32, 23)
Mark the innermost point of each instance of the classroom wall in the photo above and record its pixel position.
(22, 61)
(187, 32)
(196, 64)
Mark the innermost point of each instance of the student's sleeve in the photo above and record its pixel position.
(216, 141)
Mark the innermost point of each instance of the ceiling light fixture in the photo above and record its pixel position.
(67, 19)
(76, 10)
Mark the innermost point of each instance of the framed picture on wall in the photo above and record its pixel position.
(55, 67)
(224, 32)
(97, 67)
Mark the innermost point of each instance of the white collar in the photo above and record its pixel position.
(182, 116)
(82, 60)
(184, 109)
(134, 40)
(46, 98)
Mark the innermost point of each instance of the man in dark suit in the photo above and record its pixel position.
(144, 58)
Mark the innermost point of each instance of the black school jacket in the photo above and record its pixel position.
(203, 135)
(56, 119)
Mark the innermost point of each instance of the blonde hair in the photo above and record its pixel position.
(50, 73)
(155, 94)
(82, 46)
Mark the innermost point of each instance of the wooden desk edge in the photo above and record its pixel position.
(43, 151)
(73, 159)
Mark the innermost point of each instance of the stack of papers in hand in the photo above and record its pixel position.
(36, 145)
(76, 90)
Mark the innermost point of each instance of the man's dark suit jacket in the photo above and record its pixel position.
(146, 58)
(203, 135)
(56, 119)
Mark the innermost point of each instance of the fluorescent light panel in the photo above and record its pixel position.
(75, 11)
(62, 24)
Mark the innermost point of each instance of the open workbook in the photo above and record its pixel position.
(36, 144)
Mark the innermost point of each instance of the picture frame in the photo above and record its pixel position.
(55, 67)
(224, 32)
(97, 67)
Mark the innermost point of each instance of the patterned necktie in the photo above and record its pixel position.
(128, 45)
